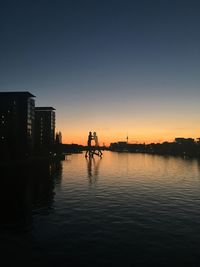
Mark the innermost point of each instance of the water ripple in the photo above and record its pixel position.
(130, 208)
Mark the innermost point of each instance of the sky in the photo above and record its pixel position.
(114, 67)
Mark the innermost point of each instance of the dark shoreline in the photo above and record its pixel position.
(187, 150)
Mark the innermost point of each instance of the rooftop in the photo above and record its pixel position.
(17, 93)
(44, 108)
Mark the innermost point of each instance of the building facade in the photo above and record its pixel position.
(17, 120)
(44, 127)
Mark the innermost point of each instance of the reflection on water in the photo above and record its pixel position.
(27, 186)
(140, 210)
(93, 165)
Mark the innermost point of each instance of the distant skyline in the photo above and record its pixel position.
(114, 67)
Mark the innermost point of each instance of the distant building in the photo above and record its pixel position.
(119, 146)
(16, 124)
(58, 139)
(122, 143)
(44, 127)
(181, 140)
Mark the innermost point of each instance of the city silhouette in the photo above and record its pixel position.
(28, 132)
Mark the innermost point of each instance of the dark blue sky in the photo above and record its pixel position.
(103, 60)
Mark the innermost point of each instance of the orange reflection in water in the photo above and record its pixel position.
(131, 169)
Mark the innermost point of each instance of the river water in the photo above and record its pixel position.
(122, 210)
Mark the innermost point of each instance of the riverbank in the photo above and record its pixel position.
(169, 149)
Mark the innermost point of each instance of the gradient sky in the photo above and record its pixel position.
(114, 67)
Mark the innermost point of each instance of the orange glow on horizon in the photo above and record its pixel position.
(140, 128)
(81, 139)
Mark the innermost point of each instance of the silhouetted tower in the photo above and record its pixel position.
(58, 138)
(44, 127)
(17, 116)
